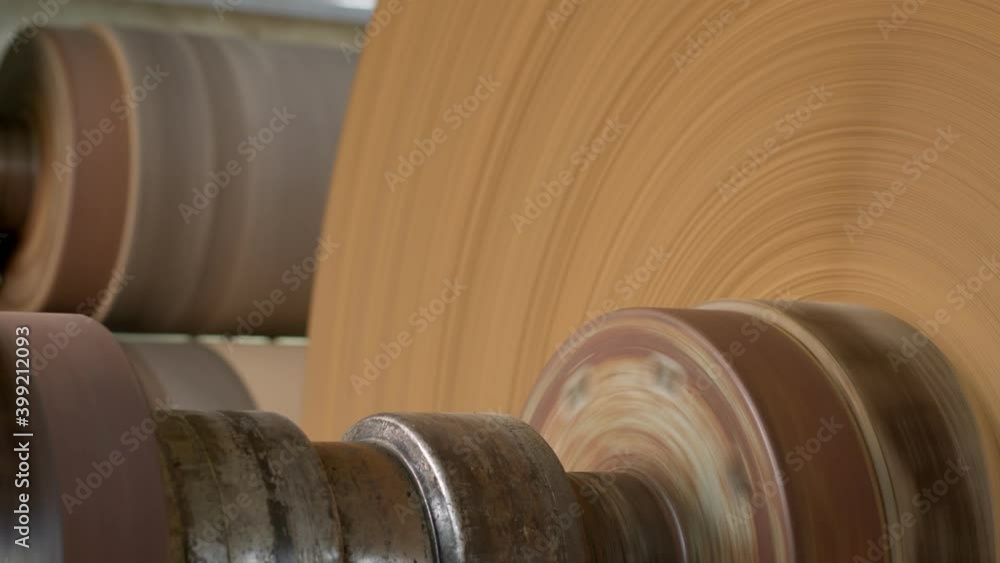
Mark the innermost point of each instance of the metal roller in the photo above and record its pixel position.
(167, 182)
(738, 431)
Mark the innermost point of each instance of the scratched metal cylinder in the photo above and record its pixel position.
(246, 486)
(493, 489)
(401, 488)
(380, 508)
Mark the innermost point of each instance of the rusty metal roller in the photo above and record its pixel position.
(166, 182)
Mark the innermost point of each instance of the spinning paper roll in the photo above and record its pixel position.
(563, 160)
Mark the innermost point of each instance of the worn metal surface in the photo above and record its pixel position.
(494, 489)
(382, 514)
(247, 487)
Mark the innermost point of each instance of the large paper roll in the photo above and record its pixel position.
(512, 171)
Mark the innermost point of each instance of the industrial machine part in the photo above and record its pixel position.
(139, 165)
(738, 431)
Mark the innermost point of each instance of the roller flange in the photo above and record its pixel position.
(778, 432)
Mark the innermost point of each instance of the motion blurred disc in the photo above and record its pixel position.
(88, 473)
(777, 432)
(67, 246)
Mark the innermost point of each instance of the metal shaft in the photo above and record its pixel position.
(400, 488)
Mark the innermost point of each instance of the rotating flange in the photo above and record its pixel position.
(743, 431)
(777, 431)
